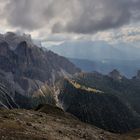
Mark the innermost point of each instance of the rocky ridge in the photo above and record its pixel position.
(49, 123)
(97, 107)
(28, 69)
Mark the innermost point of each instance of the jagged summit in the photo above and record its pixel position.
(31, 67)
(137, 76)
(13, 39)
(115, 74)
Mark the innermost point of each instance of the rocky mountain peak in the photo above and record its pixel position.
(30, 67)
(13, 39)
(115, 74)
(138, 74)
(4, 47)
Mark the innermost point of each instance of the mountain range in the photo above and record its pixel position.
(101, 56)
(128, 68)
(94, 99)
(31, 77)
(27, 70)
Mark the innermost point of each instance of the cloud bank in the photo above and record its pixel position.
(69, 16)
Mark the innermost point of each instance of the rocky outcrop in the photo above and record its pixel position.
(6, 93)
(29, 69)
(48, 123)
(137, 77)
(13, 39)
(115, 75)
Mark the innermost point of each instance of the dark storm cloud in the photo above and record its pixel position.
(97, 15)
(78, 16)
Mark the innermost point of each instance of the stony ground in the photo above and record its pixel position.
(34, 125)
(135, 134)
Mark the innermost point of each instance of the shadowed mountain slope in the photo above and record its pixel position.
(94, 106)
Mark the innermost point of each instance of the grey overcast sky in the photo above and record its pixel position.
(62, 20)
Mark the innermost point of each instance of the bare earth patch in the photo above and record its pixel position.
(34, 125)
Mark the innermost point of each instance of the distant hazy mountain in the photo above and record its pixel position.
(101, 56)
(128, 68)
(96, 50)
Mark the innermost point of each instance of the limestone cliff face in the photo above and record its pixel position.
(28, 68)
(6, 93)
(33, 62)
(98, 108)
